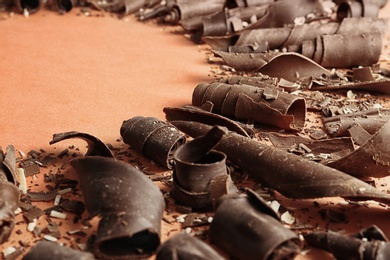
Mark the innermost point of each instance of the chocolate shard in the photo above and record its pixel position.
(95, 146)
(289, 174)
(246, 228)
(183, 246)
(349, 247)
(130, 206)
(379, 86)
(42, 196)
(45, 250)
(153, 138)
(246, 102)
(196, 165)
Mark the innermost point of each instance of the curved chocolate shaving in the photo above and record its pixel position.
(380, 86)
(130, 205)
(95, 146)
(199, 115)
(183, 246)
(245, 102)
(371, 233)
(246, 61)
(44, 250)
(289, 174)
(8, 165)
(153, 138)
(242, 229)
(346, 247)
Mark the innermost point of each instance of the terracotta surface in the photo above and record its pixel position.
(71, 72)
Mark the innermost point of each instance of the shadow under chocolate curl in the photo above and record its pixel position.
(183, 246)
(130, 205)
(244, 228)
(44, 250)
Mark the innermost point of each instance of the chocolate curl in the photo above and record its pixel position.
(244, 228)
(45, 250)
(359, 8)
(380, 86)
(183, 246)
(346, 247)
(123, 7)
(289, 174)
(267, 106)
(129, 204)
(153, 138)
(95, 146)
(28, 6)
(196, 166)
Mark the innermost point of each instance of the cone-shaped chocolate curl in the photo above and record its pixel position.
(155, 139)
(246, 228)
(130, 205)
(44, 250)
(289, 174)
(183, 246)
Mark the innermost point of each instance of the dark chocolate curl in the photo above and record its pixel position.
(289, 174)
(244, 230)
(130, 205)
(8, 165)
(44, 250)
(29, 6)
(196, 166)
(359, 8)
(95, 146)
(346, 247)
(7, 222)
(183, 246)
(245, 102)
(153, 138)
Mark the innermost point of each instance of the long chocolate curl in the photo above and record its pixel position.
(44, 250)
(243, 227)
(183, 246)
(289, 174)
(95, 146)
(130, 205)
(248, 102)
(31, 6)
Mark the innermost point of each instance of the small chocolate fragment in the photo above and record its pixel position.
(245, 227)
(183, 246)
(155, 139)
(95, 146)
(44, 250)
(42, 196)
(130, 206)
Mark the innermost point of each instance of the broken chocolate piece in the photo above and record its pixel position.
(7, 165)
(196, 165)
(42, 196)
(246, 102)
(155, 139)
(289, 174)
(44, 250)
(130, 206)
(183, 246)
(95, 145)
(245, 227)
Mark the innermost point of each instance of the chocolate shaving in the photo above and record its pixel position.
(7, 164)
(253, 231)
(289, 174)
(50, 250)
(153, 138)
(129, 204)
(183, 246)
(95, 145)
(42, 196)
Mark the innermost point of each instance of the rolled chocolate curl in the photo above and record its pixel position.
(95, 146)
(196, 166)
(289, 174)
(245, 102)
(346, 247)
(359, 8)
(44, 250)
(183, 246)
(63, 6)
(29, 6)
(243, 228)
(129, 204)
(153, 138)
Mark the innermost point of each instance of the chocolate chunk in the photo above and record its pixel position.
(129, 204)
(183, 246)
(95, 146)
(155, 139)
(49, 250)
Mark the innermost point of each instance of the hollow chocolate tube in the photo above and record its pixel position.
(129, 203)
(153, 138)
(246, 228)
(29, 6)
